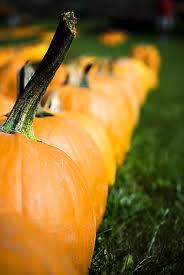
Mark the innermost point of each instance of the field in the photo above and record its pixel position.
(143, 228)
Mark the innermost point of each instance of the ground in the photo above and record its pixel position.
(143, 228)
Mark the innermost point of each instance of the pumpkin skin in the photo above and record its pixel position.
(104, 81)
(8, 77)
(80, 147)
(34, 52)
(6, 104)
(58, 80)
(24, 250)
(149, 54)
(113, 38)
(59, 77)
(99, 78)
(42, 184)
(112, 86)
(6, 54)
(100, 137)
(111, 113)
(137, 74)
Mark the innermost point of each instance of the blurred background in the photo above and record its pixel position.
(160, 13)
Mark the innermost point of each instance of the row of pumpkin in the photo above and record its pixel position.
(63, 134)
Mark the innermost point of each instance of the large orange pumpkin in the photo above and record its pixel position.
(40, 182)
(24, 250)
(78, 144)
(43, 184)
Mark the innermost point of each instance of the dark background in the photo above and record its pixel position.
(136, 9)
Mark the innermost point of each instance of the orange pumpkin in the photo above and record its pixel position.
(77, 143)
(33, 52)
(112, 86)
(59, 79)
(8, 77)
(113, 38)
(95, 74)
(40, 182)
(106, 83)
(24, 250)
(100, 137)
(43, 184)
(6, 54)
(149, 54)
(137, 74)
(110, 111)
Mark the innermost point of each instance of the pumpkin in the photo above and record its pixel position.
(24, 250)
(137, 74)
(74, 140)
(93, 127)
(43, 184)
(8, 77)
(78, 67)
(40, 182)
(112, 86)
(109, 111)
(96, 75)
(100, 137)
(6, 54)
(34, 52)
(149, 54)
(46, 37)
(113, 38)
(108, 84)
(59, 79)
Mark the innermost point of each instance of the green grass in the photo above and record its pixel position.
(143, 228)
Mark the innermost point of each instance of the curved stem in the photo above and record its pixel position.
(23, 77)
(21, 117)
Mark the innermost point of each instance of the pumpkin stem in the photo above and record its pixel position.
(84, 81)
(21, 117)
(23, 77)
